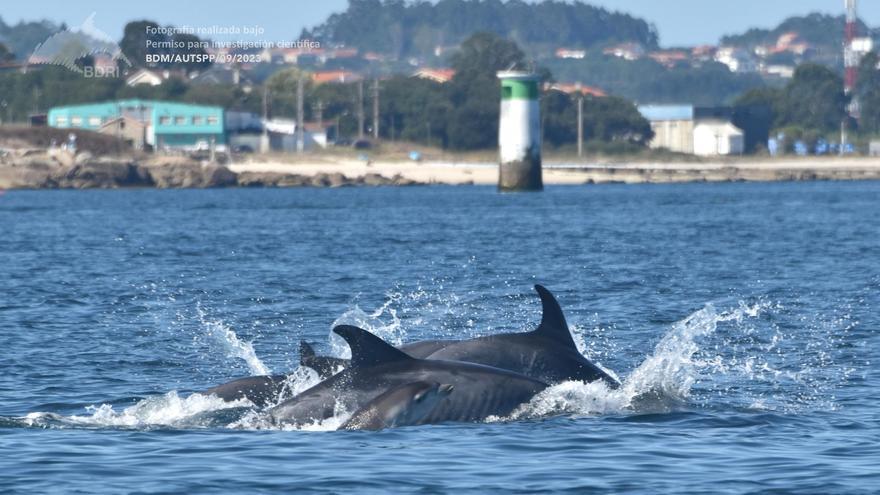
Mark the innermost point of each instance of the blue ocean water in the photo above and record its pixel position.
(742, 319)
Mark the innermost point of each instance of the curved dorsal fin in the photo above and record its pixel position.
(553, 325)
(306, 350)
(367, 349)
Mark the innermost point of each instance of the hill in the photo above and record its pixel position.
(821, 30)
(22, 38)
(417, 28)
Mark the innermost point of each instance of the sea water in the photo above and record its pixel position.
(742, 320)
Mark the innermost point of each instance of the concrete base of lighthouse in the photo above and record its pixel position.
(521, 175)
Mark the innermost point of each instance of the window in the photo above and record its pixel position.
(198, 120)
(213, 120)
(61, 121)
(164, 120)
(179, 120)
(94, 121)
(76, 121)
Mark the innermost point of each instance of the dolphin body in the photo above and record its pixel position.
(377, 367)
(260, 390)
(547, 353)
(402, 406)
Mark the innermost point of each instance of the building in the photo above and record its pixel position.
(736, 59)
(693, 130)
(574, 88)
(874, 148)
(335, 76)
(626, 51)
(160, 124)
(713, 138)
(437, 75)
(571, 53)
(144, 77)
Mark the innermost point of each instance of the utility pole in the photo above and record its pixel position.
(300, 116)
(360, 109)
(320, 114)
(376, 109)
(264, 138)
(580, 121)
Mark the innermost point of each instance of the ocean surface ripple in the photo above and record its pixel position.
(741, 319)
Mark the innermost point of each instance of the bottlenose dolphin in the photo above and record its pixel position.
(260, 390)
(547, 353)
(327, 366)
(377, 367)
(402, 406)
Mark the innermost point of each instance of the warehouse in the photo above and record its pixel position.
(147, 124)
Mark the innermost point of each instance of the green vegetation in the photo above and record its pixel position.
(416, 28)
(811, 106)
(868, 92)
(647, 81)
(6, 56)
(818, 29)
(134, 46)
(22, 38)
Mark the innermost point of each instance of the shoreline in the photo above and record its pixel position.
(84, 171)
(558, 172)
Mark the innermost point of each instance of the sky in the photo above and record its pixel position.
(680, 22)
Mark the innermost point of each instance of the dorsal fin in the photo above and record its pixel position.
(306, 350)
(367, 349)
(553, 325)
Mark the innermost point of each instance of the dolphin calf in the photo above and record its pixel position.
(402, 406)
(377, 367)
(548, 353)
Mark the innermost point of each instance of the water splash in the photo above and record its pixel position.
(168, 410)
(662, 382)
(235, 348)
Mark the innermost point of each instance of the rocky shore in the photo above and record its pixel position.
(62, 170)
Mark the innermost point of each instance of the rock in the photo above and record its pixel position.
(190, 175)
(101, 174)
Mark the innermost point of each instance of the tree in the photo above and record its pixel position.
(6, 56)
(813, 99)
(868, 92)
(137, 34)
(754, 112)
(474, 90)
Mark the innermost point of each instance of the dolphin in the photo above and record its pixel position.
(402, 406)
(377, 367)
(260, 390)
(548, 353)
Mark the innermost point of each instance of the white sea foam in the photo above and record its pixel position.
(662, 382)
(234, 347)
(168, 410)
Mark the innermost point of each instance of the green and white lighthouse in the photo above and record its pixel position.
(519, 133)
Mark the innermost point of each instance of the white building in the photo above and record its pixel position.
(713, 138)
(705, 131)
(145, 76)
(736, 59)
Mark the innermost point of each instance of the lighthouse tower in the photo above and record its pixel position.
(519, 133)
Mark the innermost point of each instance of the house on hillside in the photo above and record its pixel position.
(576, 54)
(736, 59)
(335, 76)
(437, 75)
(574, 88)
(626, 51)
